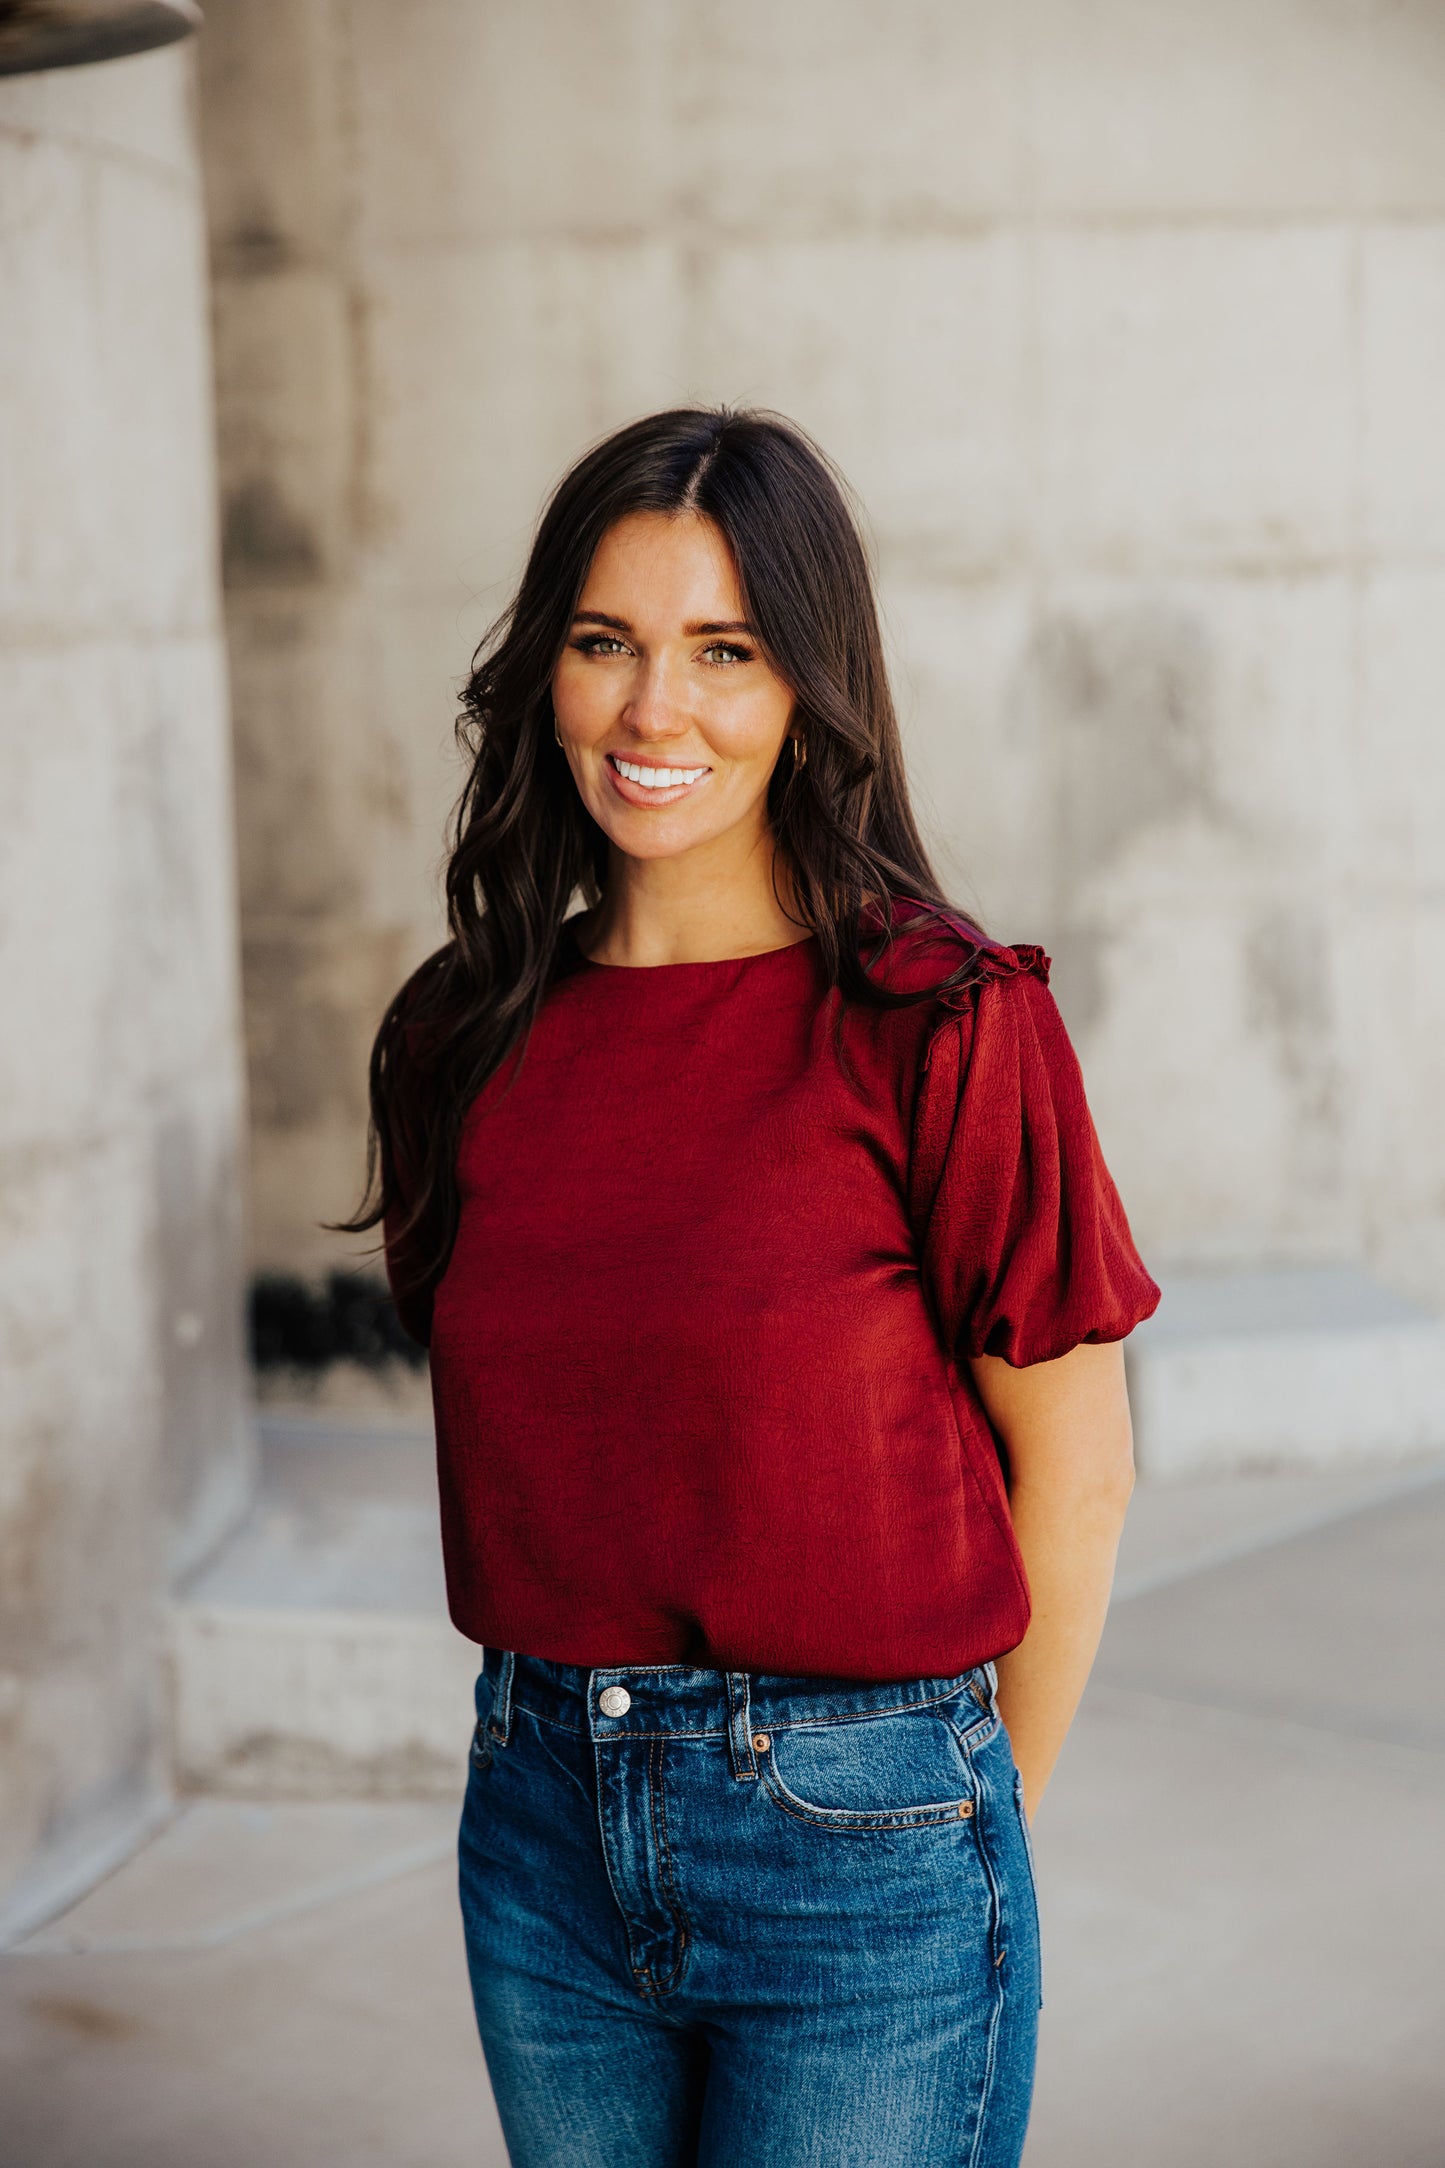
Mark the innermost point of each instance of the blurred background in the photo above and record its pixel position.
(1127, 322)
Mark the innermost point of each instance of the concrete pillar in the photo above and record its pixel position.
(125, 1445)
(1128, 321)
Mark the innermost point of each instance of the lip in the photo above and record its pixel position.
(639, 793)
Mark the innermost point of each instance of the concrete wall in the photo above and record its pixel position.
(124, 1437)
(1127, 320)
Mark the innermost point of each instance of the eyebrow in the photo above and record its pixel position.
(694, 631)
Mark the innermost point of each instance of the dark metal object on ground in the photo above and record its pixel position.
(68, 33)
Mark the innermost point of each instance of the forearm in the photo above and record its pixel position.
(1069, 1541)
(1069, 1448)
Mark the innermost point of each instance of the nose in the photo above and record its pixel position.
(653, 709)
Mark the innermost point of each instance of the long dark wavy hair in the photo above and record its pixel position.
(522, 844)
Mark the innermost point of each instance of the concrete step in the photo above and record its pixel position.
(1305, 1368)
(313, 1656)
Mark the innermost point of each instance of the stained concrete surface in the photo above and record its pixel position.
(1243, 1912)
(125, 1441)
(313, 1653)
(1127, 322)
(341, 2033)
(346, 1516)
(1240, 1864)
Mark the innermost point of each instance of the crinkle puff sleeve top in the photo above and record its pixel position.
(699, 1357)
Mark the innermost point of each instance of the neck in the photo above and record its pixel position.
(661, 911)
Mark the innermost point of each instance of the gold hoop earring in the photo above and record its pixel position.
(800, 754)
(555, 731)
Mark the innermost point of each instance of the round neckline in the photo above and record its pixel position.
(706, 963)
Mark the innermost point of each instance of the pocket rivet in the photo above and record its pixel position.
(965, 1809)
(761, 1742)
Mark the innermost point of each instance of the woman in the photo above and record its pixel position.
(774, 1285)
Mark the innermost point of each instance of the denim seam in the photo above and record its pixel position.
(980, 1838)
(638, 1971)
(864, 1716)
(778, 1724)
(502, 1699)
(742, 1756)
(978, 1734)
(657, 1810)
(606, 1737)
(824, 1817)
(1024, 1825)
(609, 1738)
(865, 1821)
(784, 1723)
(718, 1732)
(1023, 1819)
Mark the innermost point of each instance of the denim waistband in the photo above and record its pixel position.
(686, 1701)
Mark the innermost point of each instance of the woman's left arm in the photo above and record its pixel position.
(1066, 1431)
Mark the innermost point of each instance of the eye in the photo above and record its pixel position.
(719, 654)
(600, 643)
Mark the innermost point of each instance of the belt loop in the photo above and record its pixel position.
(500, 1725)
(740, 1729)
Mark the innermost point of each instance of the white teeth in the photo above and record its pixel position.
(656, 778)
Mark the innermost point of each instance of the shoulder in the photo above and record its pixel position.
(930, 948)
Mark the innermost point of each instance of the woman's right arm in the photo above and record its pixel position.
(1067, 1434)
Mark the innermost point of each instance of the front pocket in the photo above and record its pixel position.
(856, 1775)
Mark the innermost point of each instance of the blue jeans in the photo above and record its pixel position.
(731, 1920)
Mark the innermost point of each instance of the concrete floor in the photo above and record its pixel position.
(1241, 1884)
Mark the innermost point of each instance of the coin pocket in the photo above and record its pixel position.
(856, 1775)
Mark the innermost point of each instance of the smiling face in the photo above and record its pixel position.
(670, 715)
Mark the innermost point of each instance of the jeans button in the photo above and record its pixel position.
(614, 1701)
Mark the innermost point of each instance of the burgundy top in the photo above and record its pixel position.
(699, 1356)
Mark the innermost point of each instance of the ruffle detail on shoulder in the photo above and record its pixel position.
(996, 960)
(993, 961)
(946, 942)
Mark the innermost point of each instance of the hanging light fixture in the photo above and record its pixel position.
(68, 33)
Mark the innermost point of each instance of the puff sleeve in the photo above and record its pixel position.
(1026, 1249)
